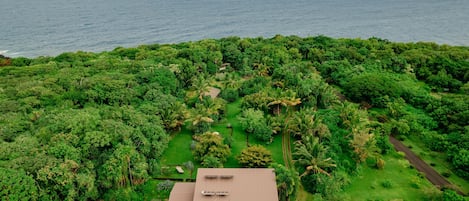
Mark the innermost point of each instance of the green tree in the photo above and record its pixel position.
(201, 118)
(288, 182)
(306, 122)
(284, 99)
(200, 87)
(17, 185)
(253, 122)
(461, 162)
(211, 144)
(374, 88)
(363, 144)
(124, 167)
(311, 156)
(211, 162)
(67, 180)
(255, 156)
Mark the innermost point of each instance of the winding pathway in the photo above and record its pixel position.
(433, 176)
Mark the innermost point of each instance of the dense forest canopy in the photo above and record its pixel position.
(86, 126)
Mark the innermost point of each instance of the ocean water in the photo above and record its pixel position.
(32, 28)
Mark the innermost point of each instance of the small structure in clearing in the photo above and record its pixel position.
(179, 169)
(213, 92)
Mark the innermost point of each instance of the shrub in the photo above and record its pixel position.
(451, 195)
(421, 174)
(228, 141)
(446, 174)
(380, 163)
(387, 184)
(166, 171)
(165, 186)
(401, 154)
(415, 185)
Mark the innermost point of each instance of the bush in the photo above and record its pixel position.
(451, 195)
(415, 184)
(446, 174)
(165, 171)
(387, 184)
(380, 163)
(421, 174)
(165, 186)
(401, 154)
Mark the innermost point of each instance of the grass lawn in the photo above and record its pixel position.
(178, 150)
(304, 195)
(437, 161)
(395, 182)
(177, 153)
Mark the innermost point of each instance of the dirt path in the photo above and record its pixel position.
(286, 149)
(434, 177)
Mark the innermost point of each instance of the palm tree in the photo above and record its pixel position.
(201, 118)
(328, 97)
(286, 99)
(232, 81)
(174, 117)
(215, 107)
(363, 145)
(305, 122)
(311, 155)
(200, 87)
(352, 117)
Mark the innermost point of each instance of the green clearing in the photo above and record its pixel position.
(178, 150)
(437, 161)
(397, 181)
(177, 153)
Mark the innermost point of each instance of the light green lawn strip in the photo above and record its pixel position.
(406, 183)
(438, 160)
(304, 195)
(177, 153)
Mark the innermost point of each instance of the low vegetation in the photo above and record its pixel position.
(89, 126)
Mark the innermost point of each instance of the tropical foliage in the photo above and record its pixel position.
(90, 126)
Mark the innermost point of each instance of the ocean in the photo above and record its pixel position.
(32, 28)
